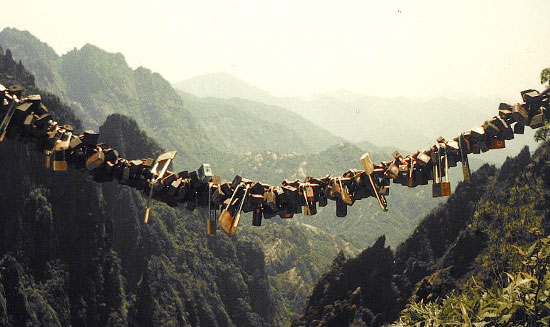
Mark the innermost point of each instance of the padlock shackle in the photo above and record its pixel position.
(244, 197)
(233, 196)
(436, 164)
(7, 117)
(381, 199)
(446, 164)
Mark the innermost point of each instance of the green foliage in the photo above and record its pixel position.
(543, 134)
(545, 76)
(523, 300)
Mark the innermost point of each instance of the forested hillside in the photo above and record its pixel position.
(74, 253)
(465, 246)
(103, 221)
(78, 255)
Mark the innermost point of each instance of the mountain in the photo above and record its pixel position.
(459, 255)
(240, 125)
(111, 87)
(386, 122)
(234, 135)
(74, 253)
(97, 83)
(223, 85)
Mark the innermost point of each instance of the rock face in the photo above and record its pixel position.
(355, 290)
(74, 252)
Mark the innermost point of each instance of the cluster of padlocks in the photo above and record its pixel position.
(26, 119)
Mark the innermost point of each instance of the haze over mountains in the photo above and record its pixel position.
(395, 122)
(255, 139)
(237, 136)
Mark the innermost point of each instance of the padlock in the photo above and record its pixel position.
(111, 155)
(287, 211)
(368, 165)
(496, 143)
(257, 216)
(20, 114)
(452, 157)
(211, 227)
(491, 129)
(464, 159)
(239, 211)
(404, 172)
(96, 160)
(506, 132)
(411, 175)
(436, 162)
(344, 193)
(307, 211)
(47, 159)
(453, 145)
(59, 161)
(392, 171)
(423, 157)
(163, 161)
(519, 114)
(444, 166)
(211, 222)
(538, 120)
(7, 117)
(91, 138)
(28, 126)
(341, 208)
(323, 201)
(226, 217)
(504, 110)
(519, 128)
(531, 96)
(396, 155)
(204, 173)
(421, 174)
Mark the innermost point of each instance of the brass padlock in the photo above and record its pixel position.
(59, 161)
(226, 218)
(307, 210)
(238, 215)
(368, 165)
(495, 143)
(96, 160)
(344, 193)
(48, 159)
(411, 181)
(444, 166)
(436, 186)
(61, 145)
(519, 114)
(162, 161)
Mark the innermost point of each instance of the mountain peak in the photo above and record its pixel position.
(223, 85)
(20, 42)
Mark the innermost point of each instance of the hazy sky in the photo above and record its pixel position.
(392, 48)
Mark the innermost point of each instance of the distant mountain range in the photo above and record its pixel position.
(385, 122)
(97, 83)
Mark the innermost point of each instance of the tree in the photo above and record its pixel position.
(545, 76)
